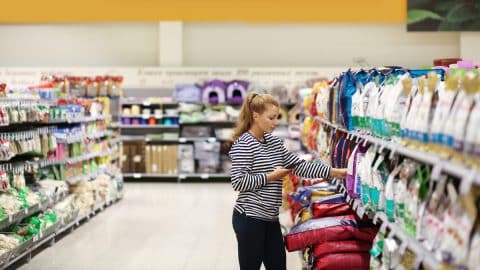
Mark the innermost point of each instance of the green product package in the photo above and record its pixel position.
(2, 214)
(365, 193)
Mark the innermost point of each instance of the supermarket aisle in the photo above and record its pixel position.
(156, 226)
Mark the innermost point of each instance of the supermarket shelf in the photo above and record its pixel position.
(219, 123)
(17, 217)
(74, 139)
(144, 116)
(83, 119)
(468, 175)
(147, 116)
(149, 126)
(48, 162)
(116, 140)
(114, 125)
(147, 103)
(149, 175)
(171, 103)
(180, 176)
(204, 175)
(178, 140)
(51, 233)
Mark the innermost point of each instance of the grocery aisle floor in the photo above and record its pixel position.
(156, 226)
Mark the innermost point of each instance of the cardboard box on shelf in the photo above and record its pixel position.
(138, 156)
(148, 159)
(174, 160)
(154, 155)
(126, 159)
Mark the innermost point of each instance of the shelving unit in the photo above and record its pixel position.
(178, 177)
(24, 161)
(26, 249)
(135, 134)
(468, 176)
(149, 126)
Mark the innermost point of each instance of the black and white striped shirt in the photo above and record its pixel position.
(251, 161)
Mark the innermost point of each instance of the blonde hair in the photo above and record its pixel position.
(254, 102)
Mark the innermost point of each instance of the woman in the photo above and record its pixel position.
(259, 162)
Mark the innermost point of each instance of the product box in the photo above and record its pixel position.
(186, 165)
(207, 146)
(138, 156)
(148, 159)
(185, 151)
(126, 159)
(208, 166)
(154, 156)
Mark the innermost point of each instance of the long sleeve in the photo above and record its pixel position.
(304, 168)
(241, 178)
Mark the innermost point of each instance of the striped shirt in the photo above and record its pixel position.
(251, 161)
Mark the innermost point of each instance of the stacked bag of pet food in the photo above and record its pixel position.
(328, 231)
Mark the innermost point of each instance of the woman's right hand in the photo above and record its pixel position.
(278, 174)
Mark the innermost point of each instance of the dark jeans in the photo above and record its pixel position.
(259, 241)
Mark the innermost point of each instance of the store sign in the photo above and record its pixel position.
(445, 15)
(158, 77)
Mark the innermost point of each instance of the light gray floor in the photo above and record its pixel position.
(156, 226)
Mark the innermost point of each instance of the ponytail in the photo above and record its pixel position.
(254, 102)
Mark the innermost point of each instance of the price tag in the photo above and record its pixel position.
(145, 116)
(147, 139)
(393, 150)
(182, 176)
(212, 140)
(403, 247)
(365, 141)
(204, 176)
(361, 211)
(436, 171)
(466, 183)
(376, 218)
(137, 175)
(380, 148)
(146, 103)
(383, 228)
(10, 219)
(182, 140)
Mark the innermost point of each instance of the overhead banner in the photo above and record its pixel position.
(168, 78)
(250, 11)
(445, 15)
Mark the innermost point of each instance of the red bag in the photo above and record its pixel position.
(348, 246)
(320, 210)
(317, 231)
(343, 261)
